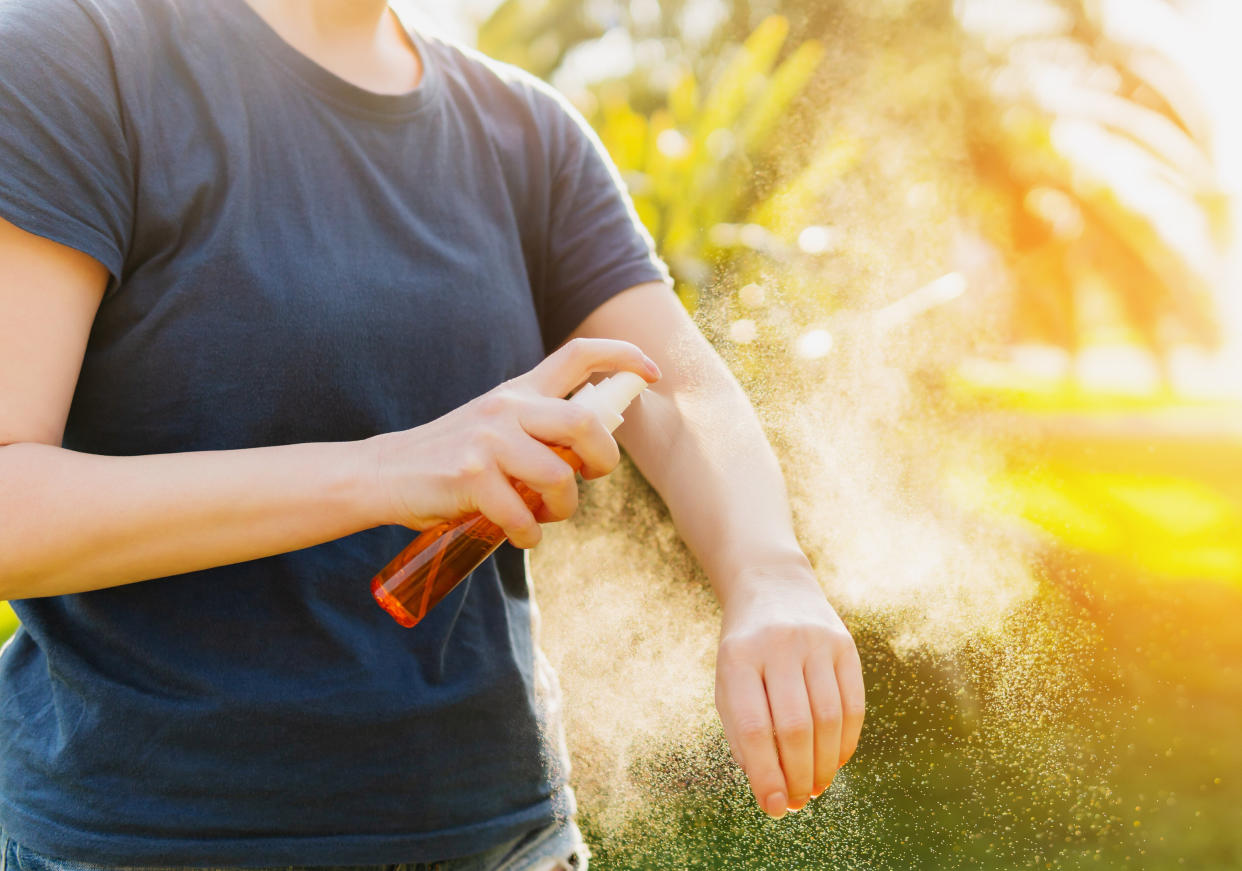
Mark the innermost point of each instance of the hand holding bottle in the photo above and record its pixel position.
(467, 461)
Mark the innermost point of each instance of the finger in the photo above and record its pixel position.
(558, 422)
(795, 729)
(499, 502)
(541, 470)
(578, 359)
(543, 515)
(825, 698)
(748, 726)
(853, 701)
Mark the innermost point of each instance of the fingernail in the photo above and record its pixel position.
(798, 802)
(776, 805)
(653, 368)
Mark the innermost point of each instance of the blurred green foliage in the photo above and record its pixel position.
(690, 163)
(1090, 153)
(1075, 149)
(8, 621)
(814, 165)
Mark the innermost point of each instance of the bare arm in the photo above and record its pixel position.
(71, 522)
(789, 683)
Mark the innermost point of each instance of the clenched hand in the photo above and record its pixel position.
(789, 688)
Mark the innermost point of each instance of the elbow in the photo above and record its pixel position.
(8, 572)
(16, 498)
(17, 581)
(10, 583)
(11, 575)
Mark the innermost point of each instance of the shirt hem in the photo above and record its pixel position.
(63, 842)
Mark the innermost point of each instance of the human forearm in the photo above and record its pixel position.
(696, 439)
(789, 684)
(71, 522)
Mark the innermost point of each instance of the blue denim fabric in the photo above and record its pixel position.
(558, 847)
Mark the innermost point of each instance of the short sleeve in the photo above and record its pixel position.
(65, 171)
(596, 244)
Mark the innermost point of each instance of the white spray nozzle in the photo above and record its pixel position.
(610, 397)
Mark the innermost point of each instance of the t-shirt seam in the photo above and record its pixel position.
(34, 219)
(336, 101)
(342, 105)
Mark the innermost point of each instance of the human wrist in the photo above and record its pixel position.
(755, 573)
(367, 494)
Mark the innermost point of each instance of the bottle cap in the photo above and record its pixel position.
(610, 397)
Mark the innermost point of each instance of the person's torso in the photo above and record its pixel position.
(309, 262)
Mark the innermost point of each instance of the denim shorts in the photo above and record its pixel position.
(558, 847)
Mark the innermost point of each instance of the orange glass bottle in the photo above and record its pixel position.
(441, 557)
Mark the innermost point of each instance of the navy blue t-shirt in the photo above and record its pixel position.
(292, 259)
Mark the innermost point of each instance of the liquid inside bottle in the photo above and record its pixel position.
(441, 557)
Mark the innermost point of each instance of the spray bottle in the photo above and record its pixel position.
(440, 557)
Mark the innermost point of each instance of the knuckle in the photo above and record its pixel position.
(842, 642)
(563, 478)
(815, 633)
(735, 650)
(827, 713)
(855, 709)
(784, 634)
(578, 346)
(574, 351)
(495, 403)
(580, 421)
(492, 508)
(753, 731)
(517, 521)
(795, 728)
(504, 512)
(485, 440)
(473, 465)
(598, 465)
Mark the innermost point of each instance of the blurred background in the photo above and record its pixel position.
(977, 263)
